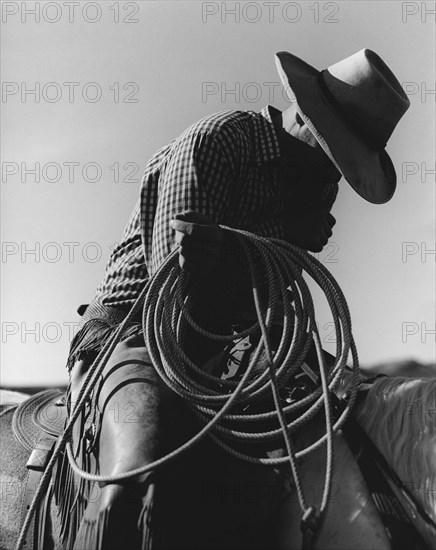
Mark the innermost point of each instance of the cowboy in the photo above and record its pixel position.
(272, 173)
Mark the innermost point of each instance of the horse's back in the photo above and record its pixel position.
(13, 472)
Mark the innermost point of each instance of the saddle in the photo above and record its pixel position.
(37, 423)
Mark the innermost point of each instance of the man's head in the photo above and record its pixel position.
(351, 110)
(308, 183)
(306, 169)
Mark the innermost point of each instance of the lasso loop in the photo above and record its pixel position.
(167, 300)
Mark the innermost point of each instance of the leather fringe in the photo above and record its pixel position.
(146, 521)
(91, 534)
(42, 532)
(134, 511)
(89, 339)
(122, 524)
(71, 498)
(71, 494)
(93, 335)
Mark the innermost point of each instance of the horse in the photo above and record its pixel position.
(209, 500)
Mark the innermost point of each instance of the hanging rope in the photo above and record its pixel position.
(219, 404)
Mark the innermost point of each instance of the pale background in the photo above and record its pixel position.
(170, 53)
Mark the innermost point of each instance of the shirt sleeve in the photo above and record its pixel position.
(198, 176)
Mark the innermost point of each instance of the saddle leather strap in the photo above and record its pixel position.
(36, 465)
(33, 480)
(41, 454)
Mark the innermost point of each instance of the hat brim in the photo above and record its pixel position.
(370, 173)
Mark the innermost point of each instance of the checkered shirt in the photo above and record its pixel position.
(225, 166)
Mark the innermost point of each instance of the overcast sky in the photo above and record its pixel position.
(113, 81)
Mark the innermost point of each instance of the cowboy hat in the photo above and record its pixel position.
(352, 109)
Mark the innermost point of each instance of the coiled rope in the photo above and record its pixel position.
(168, 299)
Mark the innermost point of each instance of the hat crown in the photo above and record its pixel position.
(368, 93)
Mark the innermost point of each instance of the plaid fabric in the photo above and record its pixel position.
(227, 166)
